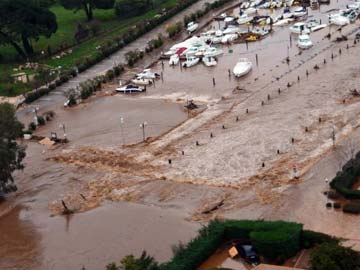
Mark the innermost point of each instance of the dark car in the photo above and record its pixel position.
(248, 253)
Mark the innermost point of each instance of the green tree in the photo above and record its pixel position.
(335, 257)
(87, 5)
(22, 21)
(131, 8)
(144, 262)
(11, 154)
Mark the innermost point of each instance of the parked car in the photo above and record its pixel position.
(249, 254)
(130, 88)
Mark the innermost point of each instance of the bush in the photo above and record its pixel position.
(72, 100)
(57, 82)
(118, 70)
(328, 205)
(335, 257)
(174, 29)
(352, 208)
(332, 195)
(32, 126)
(109, 75)
(52, 86)
(34, 95)
(310, 238)
(133, 56)
(41, 120)
(345, 179)
(337, 205)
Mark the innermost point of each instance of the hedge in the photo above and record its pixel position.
(311, 238)
(346, 178)
(272, 239)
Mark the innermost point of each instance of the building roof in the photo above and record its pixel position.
(274, 267)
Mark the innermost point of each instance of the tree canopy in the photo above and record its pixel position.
(23, 20)
(87, 5)
(335, 257)
(11, 154)
(130, 8)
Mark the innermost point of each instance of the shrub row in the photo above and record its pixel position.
(345, 179)
(63, 78)
(310, 239)
(88, 87)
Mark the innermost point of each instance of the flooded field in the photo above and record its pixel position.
(239, 152)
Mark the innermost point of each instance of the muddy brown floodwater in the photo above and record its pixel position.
(151, 204)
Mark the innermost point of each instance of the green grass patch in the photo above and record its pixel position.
(111, 27)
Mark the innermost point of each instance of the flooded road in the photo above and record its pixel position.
(81, 240)
(171, 198)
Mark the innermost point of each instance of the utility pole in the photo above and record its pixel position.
(142, 125)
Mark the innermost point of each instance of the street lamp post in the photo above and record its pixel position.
(122, 129)
(35, 111)
(63, 127)
(142, 125)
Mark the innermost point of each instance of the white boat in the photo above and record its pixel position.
(190, 61)
(299, 28)
(209, 61)
(250, 11)
(129, 89)
(219, 33)
(351, 14)
(288, 3)
(244, 18)
(287, 13)
(283, 22)
(228, 19)
(242, 67)
(201, 51)
(314, 25)
(304, 42)
(260, 31)
(216, 40)
(147, 74)
(299, 12)
(213, 52)
(174, 60)
(141, 81)
(276, 4)
(255, 3)
(231, 29)
(265, 5)
(223, 15)
(229, 38)
(191, 51)
(338, 19)
(191, 27)
(245, 5)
